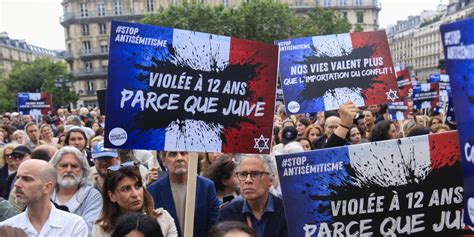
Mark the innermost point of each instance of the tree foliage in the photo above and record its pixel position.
(39, 76)
(262, 20)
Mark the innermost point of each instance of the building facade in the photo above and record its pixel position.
(362, 13)
(87, 24)
(416, 42)
(13, 50)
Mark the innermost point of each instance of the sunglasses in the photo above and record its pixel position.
(114, 168)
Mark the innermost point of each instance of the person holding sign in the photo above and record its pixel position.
(259, 209)
(169, 192)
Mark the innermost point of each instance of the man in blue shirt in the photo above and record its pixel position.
(259, 209)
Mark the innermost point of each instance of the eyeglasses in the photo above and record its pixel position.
(254, 175)
(117, 167)
(17, 157)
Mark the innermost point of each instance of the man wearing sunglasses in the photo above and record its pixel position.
(259, 209)
(103, 159)
(169, 192)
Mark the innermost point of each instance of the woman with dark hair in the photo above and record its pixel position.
(137, 224)
(222, 173)
(123, 193)
(306, 143)
(383, 130)
(232, 228)
(354, 136)
(76, 137)
(301, 126)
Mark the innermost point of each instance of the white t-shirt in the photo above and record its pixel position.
(59, 223)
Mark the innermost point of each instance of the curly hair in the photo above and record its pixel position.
(220, 170)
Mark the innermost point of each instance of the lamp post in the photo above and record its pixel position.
(62, 84)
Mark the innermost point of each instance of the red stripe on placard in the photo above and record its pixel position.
(444, 149)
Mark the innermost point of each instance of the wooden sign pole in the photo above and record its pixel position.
(190, 194)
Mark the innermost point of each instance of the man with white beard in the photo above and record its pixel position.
(71, 189)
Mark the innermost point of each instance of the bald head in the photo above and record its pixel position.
(331, 124)
(41, 169)
(49, 149)
(35, 182)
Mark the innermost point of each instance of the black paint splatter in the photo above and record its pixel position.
(362, 82)
(243, 72)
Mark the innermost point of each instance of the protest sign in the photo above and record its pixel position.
(445, 95)
(458, 42)
(404, 83)
(434, 78)
(425, 95)
(404, 187)
(171, 89)
(35, 104)
(322, 72)
(398, 110)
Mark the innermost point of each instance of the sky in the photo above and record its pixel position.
(37, 21)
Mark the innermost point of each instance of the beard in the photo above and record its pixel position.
(69, 181)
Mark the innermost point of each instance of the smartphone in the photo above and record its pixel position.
(227, 198)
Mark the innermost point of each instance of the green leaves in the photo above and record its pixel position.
(39, 76)
(261, 20)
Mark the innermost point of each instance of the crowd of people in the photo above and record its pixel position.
(58, 179)
(354, 125)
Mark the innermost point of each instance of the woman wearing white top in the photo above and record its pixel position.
(123, 193)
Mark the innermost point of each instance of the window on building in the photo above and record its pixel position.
(342, 2)
(317, 3)
(104, 47)
(360, 17)
(118, 7)
(102, 28)
(327, 3)
(174, 2)
(83, 9)
(104, 64)
(90, 87)
(344, 14)
(88, 66)
(358, 2)
(86, 47)
(100, 9)
(202, 1)
(149, 5)
(225, 3)
(298, 2)
(85, 29)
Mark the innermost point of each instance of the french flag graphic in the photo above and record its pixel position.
(322, 72)
(181, 90)
(375, 188)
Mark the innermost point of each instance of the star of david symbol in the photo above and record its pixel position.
(261, 143)
(392, 95)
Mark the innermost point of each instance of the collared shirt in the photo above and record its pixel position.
(59, 223)
(259, 225)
